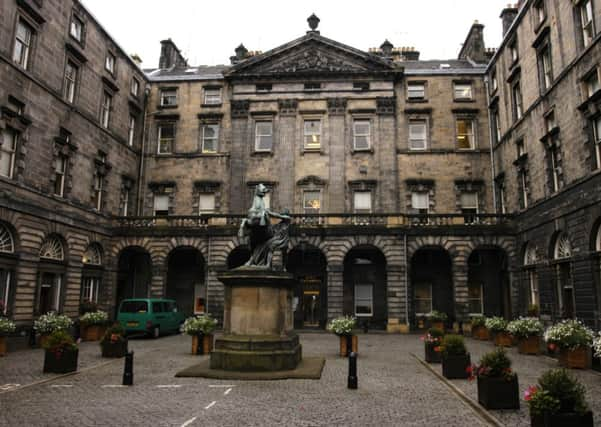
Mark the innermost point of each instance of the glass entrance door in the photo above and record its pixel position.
(311, 302)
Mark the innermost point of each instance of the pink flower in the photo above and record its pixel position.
(530, 391)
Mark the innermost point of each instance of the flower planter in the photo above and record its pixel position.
(3, 349)
(437, 325)
(580, 358)
(503, 339)
(114, 349)
(344, 345)
(566, 419)
(467, 328)
(455, 367)
(432, 356)
(480, 333)
(60, 363)
(42, 340)
(92, 332)
(530, 345)
(207, 344)
(498, 393)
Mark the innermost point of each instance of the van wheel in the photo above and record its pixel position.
(156, 332)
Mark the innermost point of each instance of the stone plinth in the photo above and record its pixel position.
(257, 322)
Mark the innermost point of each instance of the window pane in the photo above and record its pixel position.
(362, 127)
(161, 203)
(312, 201)
(167, 132)
(469, 200)
(363, 200)
(206, 203)
(463, 91)
(419, 200)
(264, 128)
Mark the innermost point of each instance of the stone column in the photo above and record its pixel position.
(396, 298)
(215, 292)
(335, 291)
(460, 273)
(158, 281)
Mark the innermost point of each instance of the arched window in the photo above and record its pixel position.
(598, 240)
(7, 243)
(530, 254)
(530, 260)
(92, 255)
(52, 248)
(563, 248)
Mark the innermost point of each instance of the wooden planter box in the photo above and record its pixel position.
(92, 332)
(3, 350)
(503, 339)
(431, 355)
(455, 367)
(480, 333)
(498, 393)
(581, 358)
(343, 345)
(207, 344)
(114, 349)
(67, 362)
(567, 419)
(530, 345)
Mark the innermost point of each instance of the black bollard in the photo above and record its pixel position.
(128, 371)
(200, 347)
(32, 337)
(352, 371)
(349, 345)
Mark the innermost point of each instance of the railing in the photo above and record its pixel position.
(320, 220)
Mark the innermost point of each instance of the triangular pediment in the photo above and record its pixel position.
(312, 54)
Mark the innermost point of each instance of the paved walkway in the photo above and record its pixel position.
(394, 389)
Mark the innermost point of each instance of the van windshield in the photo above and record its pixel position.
(134, 307)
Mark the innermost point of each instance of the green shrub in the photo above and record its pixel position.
(494, 364)
(87, 307)
(51, 322)
(525, 327)
(7, 326)
(114, 334)
(478, 321)
(564, 387)
(437, 316)
(496, 324)
(94, 318)
(569, 334)
(453, 345)
(436, 332)
(59, 341)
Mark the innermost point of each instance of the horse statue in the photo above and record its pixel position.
(263, 237)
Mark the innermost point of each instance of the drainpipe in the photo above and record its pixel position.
(142, 152)
(491, 129)
(406, 282)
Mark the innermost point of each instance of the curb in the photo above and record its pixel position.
(476, 407)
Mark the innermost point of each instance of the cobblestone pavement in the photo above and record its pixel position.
(394, 390)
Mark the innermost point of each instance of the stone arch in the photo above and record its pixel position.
(237, 257)
(134, 268)
(12, 221)
(348, 244)
(197, 243)
(220, 257)
(8, 239)
(480, 242)
(488, 283)
(143, 243)
(94, 254)
(433, 241)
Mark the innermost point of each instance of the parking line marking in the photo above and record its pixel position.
(6, 387)
(61, 385)
(222, 385)
(225, 393)
(190, 421)
(113, 386)
(169, 386)
(210, 405)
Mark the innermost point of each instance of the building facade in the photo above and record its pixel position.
(118, 182)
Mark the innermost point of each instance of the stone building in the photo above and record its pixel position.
(118, 182)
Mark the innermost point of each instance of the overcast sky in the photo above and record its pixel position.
(208, 31)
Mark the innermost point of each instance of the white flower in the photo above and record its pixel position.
(525, 327)
(196, 325)
(342, 325)
(94, 318)
(50, 322)
(6, 326)
(569, 334)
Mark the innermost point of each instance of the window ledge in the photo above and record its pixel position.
(416, 100)
(464, 100)
(365, 151)
(166, 107)
(212, 105)
(262, 153)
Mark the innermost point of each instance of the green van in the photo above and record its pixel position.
(150, 316)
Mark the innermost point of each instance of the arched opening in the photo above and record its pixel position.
(529, 262)
(309, 266)
(186, 280)
(51, 273)
(561, 252)
(488, 283)
(364, 292)
(238, 257)
(134, 274)
(91, 274)
(8, 264)
(431, 274)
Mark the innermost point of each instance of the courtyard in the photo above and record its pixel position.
(395, 389)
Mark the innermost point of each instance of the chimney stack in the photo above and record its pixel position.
(473, 48)
(171, 56)
(508, 16)
(241, 54)
(386, 48)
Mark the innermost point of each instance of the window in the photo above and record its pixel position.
(168, 98)
(501, 197)
(423, 298)
(5, 281)
(70, 81)
(416, 91)
(15, 105)
(420, 202)
(550, 123)
(50, 293)
(586, 22)
(105, 111)
(539, 12)
(313, 86)
(465, 134)
(469, 207)
(166, 138)
(98, 184)
(109, 63)
(362, 202)
(592, 83)
(206, 203)
(76, 28)
(513, 52)
(474, 298)
(496, 126)
(212, 96)
(533, 286)
(417, 135)
(125, 201)
(523, 181)
(518, 110)
(597, 142)
(134, 89)
(161, 205)
(555, 168)
(7, 243)
(210, 138)
(8, 150)
(462, 91)
(311, 201)
(60, 171)
(364, 300)
(361, 135)
(495, 81)
(312, 132)
(520, 147)
(263, 136)
(263, 87)
(545, 66)
(131, 130)
(23, 44)
(89, 289)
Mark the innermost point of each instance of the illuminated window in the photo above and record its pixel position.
(465, 134)
(312, 134)
(312, 202)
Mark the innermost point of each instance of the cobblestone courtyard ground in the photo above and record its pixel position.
(394, 389)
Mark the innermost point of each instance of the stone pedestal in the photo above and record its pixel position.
(257, 322)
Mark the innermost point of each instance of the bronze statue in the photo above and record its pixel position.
(264, 238)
